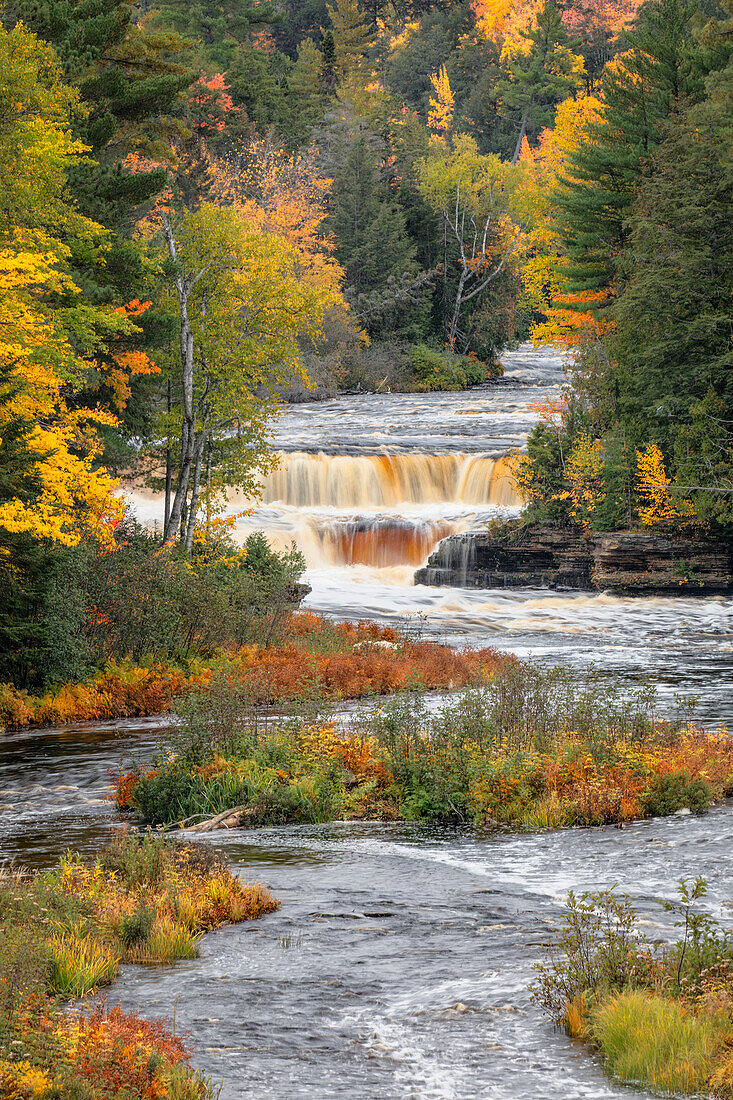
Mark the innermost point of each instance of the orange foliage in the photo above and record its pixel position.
(359, 755)
(574, 320)
(113, 1052)
(284, 193)
(277, 674)
(368, 659)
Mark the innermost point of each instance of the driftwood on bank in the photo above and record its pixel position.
(233, 818)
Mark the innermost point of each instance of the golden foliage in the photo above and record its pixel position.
(583, 474)
(440, 115)
(660, 508)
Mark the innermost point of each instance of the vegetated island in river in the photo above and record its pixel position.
(520, 746)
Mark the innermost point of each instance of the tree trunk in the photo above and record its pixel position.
(520, 139)
(184, 285)
(168, 469)
(195, 488)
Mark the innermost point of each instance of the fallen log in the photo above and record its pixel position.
(227, 819)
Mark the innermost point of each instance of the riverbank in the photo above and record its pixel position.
(65, 933)
(627, 563)
(313, 656)
(660, 1015)
(530, 749)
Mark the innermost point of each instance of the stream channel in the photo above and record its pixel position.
(399, 964)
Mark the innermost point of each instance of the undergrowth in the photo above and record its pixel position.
(531, 747)
(63, 934)
(345, 660)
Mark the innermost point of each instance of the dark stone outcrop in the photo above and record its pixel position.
(634, 563)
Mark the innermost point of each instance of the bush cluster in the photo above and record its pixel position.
(313, 657)
(149, 604)
(661, 1015)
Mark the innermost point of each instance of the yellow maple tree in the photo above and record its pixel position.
(48, 332)
(659, 508)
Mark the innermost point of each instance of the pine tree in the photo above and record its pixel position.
(306, 97)
(543, 77)
(660, 68)
(367, 222)
(329, 76)
(130, 78)
(354, 41)
(678, 269)
(221, 26)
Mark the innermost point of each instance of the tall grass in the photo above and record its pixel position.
(650, 1039)
(79, 965)
(168, 940)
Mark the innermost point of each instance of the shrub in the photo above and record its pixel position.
(674, 791)
(134, 928)
(135, 860)
(650, 1039)
(435, 370)
(598, 952)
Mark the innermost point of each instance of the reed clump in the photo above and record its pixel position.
(63, 934)
(529, 747)
(661, 1016)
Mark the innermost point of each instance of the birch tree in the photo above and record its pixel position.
(482, 231)
(240, 308)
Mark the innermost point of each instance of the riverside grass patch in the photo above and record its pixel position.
(661, 1016)
(529, 747)
(63, 934)
(342, 660)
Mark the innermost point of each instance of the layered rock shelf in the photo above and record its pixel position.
(632, 563)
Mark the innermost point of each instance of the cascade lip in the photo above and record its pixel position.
(464, 446)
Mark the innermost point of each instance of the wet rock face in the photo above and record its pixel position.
(625, 562)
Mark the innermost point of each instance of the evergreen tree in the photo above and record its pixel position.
(221, 26)
(354, 40)
(678, 277)
(306, 92)
(130, 79)
(660, 67)
(369, 226)
(543, 77)
(328, 74)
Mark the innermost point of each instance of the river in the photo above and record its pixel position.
(399, 964)
(398, 967)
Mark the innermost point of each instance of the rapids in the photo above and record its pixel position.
(398, 967)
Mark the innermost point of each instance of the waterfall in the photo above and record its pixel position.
(381, 542)
(371, 481)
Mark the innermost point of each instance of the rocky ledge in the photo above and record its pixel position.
(632, 563)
